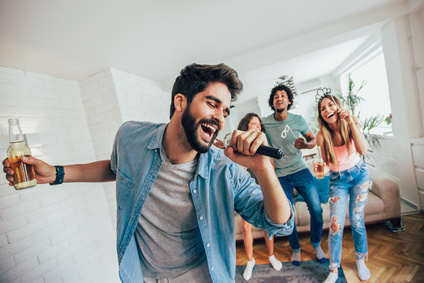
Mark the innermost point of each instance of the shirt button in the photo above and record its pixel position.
(194, 191)
(208, 245)
(212, 269)
(201, 217)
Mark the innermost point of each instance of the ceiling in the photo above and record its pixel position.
(262, 40)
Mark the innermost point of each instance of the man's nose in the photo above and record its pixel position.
(219, 117)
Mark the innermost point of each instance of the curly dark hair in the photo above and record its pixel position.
(274, 91)
(244, 122)
(195, 78)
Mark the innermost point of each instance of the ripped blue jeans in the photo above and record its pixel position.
(355, 184)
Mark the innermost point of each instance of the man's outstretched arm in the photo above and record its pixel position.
(98, 171)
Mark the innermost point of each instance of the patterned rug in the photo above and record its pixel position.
(308, 271)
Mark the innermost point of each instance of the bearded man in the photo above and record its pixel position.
(176, 196)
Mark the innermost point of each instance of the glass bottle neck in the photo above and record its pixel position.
(15, 132)
(319, 156)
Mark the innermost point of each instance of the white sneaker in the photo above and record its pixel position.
(363, 271)
(332, 278)
(247, 274)
(275, 262)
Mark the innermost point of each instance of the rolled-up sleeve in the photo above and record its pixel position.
(273, 229)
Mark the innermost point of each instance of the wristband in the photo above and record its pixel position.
(60, 175)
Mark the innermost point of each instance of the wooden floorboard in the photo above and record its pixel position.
(393, 257)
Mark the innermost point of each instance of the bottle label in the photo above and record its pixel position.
(23, 173)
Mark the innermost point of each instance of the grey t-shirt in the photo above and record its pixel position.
(167, 233)
(294, 125)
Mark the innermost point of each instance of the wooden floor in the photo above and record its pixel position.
(393, 257)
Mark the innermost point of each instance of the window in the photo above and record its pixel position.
(374, 94)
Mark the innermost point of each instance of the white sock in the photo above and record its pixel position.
(363, 272)
(249, 269)
(319, 253)
(332, 277)
(275, 262)
(295, 257)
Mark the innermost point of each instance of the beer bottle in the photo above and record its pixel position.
(319, 165)
(24, 174)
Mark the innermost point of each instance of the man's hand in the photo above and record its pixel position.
(307, 141)
(243, 149)
(44, 173)
(300, 143)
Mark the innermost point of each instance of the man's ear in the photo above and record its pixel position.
(180, 102)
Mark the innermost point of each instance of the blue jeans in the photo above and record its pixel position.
(304, 183)
(352, 184)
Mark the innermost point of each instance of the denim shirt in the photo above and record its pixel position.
(219, 187)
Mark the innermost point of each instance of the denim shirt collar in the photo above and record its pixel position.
(156, 141)
(204, 160)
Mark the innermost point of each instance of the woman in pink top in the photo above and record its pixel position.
(342, 143)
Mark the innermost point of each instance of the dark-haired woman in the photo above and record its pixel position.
(251, 121)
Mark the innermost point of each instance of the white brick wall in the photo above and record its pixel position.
(102, 110)
(112, 97)
(104, 118)
(141, 99)
(56, 233)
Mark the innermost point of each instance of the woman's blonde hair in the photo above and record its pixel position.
(328, 133)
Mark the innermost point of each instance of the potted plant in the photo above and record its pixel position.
(352, 101)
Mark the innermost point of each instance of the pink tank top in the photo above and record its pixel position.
(344, 159)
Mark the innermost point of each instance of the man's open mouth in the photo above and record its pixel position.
(208, 129)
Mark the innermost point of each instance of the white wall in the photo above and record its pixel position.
(112, 97)
(404, 104)
(101, 106)
(416, 38)
(141, 99)
(52, 233)
(104, 117)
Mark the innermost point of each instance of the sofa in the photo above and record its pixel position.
(383, 205)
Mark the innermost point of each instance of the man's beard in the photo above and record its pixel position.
(190, 128)
(280, 110)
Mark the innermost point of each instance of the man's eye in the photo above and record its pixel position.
(211, 105)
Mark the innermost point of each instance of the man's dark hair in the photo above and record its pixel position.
(195, 78)
(244, 122)
(274, 91)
